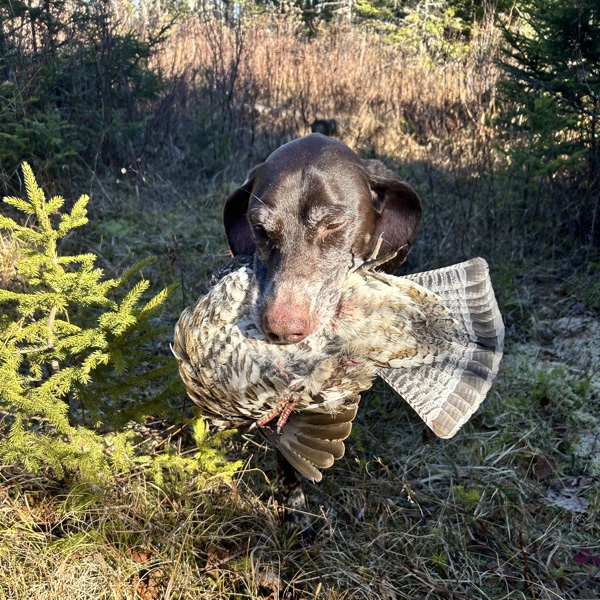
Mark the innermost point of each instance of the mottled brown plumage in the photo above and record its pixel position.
(435, 337)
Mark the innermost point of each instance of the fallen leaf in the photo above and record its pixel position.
(543, 468)
(569, 501)
(149, 585)
(139, 555)
(570, 495)
(584, 556)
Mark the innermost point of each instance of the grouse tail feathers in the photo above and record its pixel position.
(311, 441)
(446, 393)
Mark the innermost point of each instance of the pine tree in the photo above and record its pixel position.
(552, 86)
(76, 355)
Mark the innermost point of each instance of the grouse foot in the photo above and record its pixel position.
(283, 410)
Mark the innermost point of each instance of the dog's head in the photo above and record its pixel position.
(309, 213)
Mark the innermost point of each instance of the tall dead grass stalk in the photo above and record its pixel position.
(269, 81)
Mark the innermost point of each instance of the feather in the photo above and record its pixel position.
(446, 393)
(435, 337)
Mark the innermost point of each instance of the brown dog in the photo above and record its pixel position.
(309, 213)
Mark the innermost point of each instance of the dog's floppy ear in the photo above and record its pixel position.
(235, 217)
(399, 210)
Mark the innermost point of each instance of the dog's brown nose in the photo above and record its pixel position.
(286, 327)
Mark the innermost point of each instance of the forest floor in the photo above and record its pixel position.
(508, 508)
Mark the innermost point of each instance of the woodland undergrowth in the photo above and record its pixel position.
(111, 488)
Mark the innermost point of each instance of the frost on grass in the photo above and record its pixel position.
(557, 382)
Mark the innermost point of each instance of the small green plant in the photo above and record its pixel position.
(78, 354)
(440, 562)
(210, 458)
(437, 35)
(469, 499)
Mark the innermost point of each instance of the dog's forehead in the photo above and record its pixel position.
(307, 183)
(311, 198)
(311, 148)
(315, 156)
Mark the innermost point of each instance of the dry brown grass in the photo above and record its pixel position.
(271, 81)
(244, 89)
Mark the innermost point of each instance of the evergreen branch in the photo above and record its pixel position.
(54, 204)
(76, 218)
(37, 199)
(126, 276)
(85, 259)
(7, 223)
(157, 301)
(35, 349)
(9, 296)
(22, 205)
(537, 83)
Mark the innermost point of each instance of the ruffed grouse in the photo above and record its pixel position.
(435, 337)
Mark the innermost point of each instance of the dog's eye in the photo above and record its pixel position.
(264, 239)
(330, 227)
(260, 232)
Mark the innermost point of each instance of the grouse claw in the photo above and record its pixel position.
(283, 410)
(375, 260)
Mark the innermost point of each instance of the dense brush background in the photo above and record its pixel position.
(490, 110)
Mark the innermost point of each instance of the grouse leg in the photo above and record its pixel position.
(283, 410)
(375, 260)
